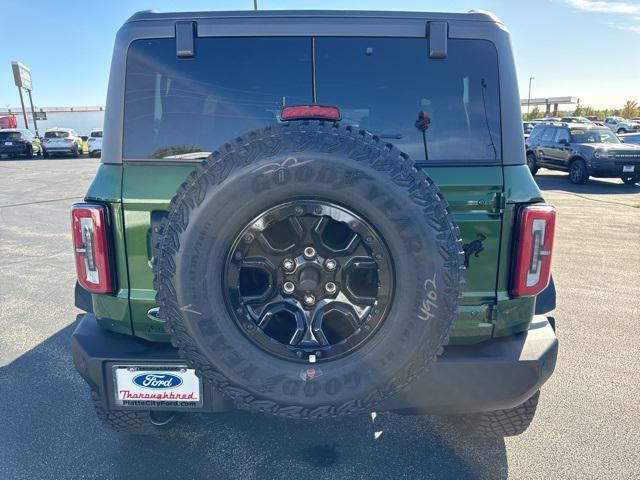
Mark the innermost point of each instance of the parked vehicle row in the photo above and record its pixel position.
(22, 143)
(616, 124)
(583, 150)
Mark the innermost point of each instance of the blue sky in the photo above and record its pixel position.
(585, 48)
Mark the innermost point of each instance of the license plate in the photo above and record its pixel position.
(8, 143)
(153, 386)
(628, 168)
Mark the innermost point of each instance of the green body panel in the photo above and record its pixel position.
(513, 315)
(142, 194)
(484, 201)
(112, 311)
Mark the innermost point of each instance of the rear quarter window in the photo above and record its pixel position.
(536, 132)
(548, 134)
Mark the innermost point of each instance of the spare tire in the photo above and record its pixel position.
(308, 270)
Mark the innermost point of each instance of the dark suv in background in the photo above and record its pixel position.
(19, 142)
(583, 150)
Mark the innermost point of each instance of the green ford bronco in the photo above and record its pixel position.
(314, 214)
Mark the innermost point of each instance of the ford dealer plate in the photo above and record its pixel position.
(153, 386)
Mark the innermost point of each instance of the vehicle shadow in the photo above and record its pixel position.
(560, 181)
(50, 431)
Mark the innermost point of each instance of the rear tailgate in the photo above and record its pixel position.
(473, 193)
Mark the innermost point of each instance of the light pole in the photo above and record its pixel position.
(255, 4)
(529, 96)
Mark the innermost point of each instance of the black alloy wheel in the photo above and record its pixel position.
(309, 278)
(578, 172)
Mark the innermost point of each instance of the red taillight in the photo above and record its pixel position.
(536, 229)
(91, 247)
(310, 112)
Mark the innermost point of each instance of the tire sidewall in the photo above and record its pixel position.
(420, 237)
(583, 169)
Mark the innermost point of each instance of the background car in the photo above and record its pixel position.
(621, 125)
(583, 150)
(527, 127)
(19, 142)
(95, 142)
(62, 141)
(575, 120)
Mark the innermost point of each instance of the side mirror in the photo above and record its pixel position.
(563, 141)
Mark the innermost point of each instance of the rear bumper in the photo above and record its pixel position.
(70, 149)
(12, 150)
(497, 374)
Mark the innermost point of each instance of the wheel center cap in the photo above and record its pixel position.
(309, 278)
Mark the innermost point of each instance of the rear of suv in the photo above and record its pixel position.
(62, 141)
(582, 150)
(95, 142)
(19, 142)
(310, 215)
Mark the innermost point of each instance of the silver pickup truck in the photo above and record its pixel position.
(622, 125)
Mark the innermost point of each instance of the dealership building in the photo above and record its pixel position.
(81, 119)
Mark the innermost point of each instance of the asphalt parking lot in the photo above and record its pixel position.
(587, 424)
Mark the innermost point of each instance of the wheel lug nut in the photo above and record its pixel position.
(309, 299)
(288, 287)
(288, 264)
(330, 264)
(330, 287)
(309, 252)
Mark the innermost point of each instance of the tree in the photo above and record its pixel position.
(630, 109)
(535, 113)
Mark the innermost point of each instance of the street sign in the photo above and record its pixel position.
(40, 115)
(21, 76)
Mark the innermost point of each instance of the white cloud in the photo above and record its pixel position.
(604, 6)
(625, 10)
(626, 28)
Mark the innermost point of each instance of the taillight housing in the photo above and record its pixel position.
(89, 224)
(533, 248)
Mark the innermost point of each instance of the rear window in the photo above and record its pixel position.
(10, 135)
(189, 107)
(186, 108)
(56, 134)
(382, 85)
